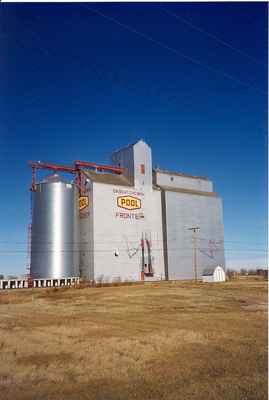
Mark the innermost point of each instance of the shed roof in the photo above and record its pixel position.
(107, 178)
(188, 191)
(210, 270)
(165, 171)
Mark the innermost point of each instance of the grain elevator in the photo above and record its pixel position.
(124, 222)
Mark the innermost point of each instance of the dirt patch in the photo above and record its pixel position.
(44, 359)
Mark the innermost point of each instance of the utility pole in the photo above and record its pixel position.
(194, 260)
(143, 258)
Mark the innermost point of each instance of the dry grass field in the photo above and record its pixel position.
(167, 341)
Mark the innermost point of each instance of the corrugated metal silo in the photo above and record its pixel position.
(55, 229)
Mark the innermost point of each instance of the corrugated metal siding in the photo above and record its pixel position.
(55, 230)
(112, 233)
(86, 239)
(125, 159)
(142, 155)
(184, 211)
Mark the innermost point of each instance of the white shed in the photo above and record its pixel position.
(214, 274)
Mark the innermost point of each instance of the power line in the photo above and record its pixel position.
(209, 34)
(132, 240)
(124, 249)
(232, 241)
(172, 49)
(221, 240)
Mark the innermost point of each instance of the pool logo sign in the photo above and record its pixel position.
(83, 202)
(129, 202)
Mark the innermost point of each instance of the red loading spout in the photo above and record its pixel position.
(54, 167)
(98, 167)
(76, 169)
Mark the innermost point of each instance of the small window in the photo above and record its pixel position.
(171, 178)
(142, 169)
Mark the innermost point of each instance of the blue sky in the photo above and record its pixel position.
(78, 82)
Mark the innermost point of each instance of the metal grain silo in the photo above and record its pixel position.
(55, 229)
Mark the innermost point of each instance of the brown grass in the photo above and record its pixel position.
(156, 341)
